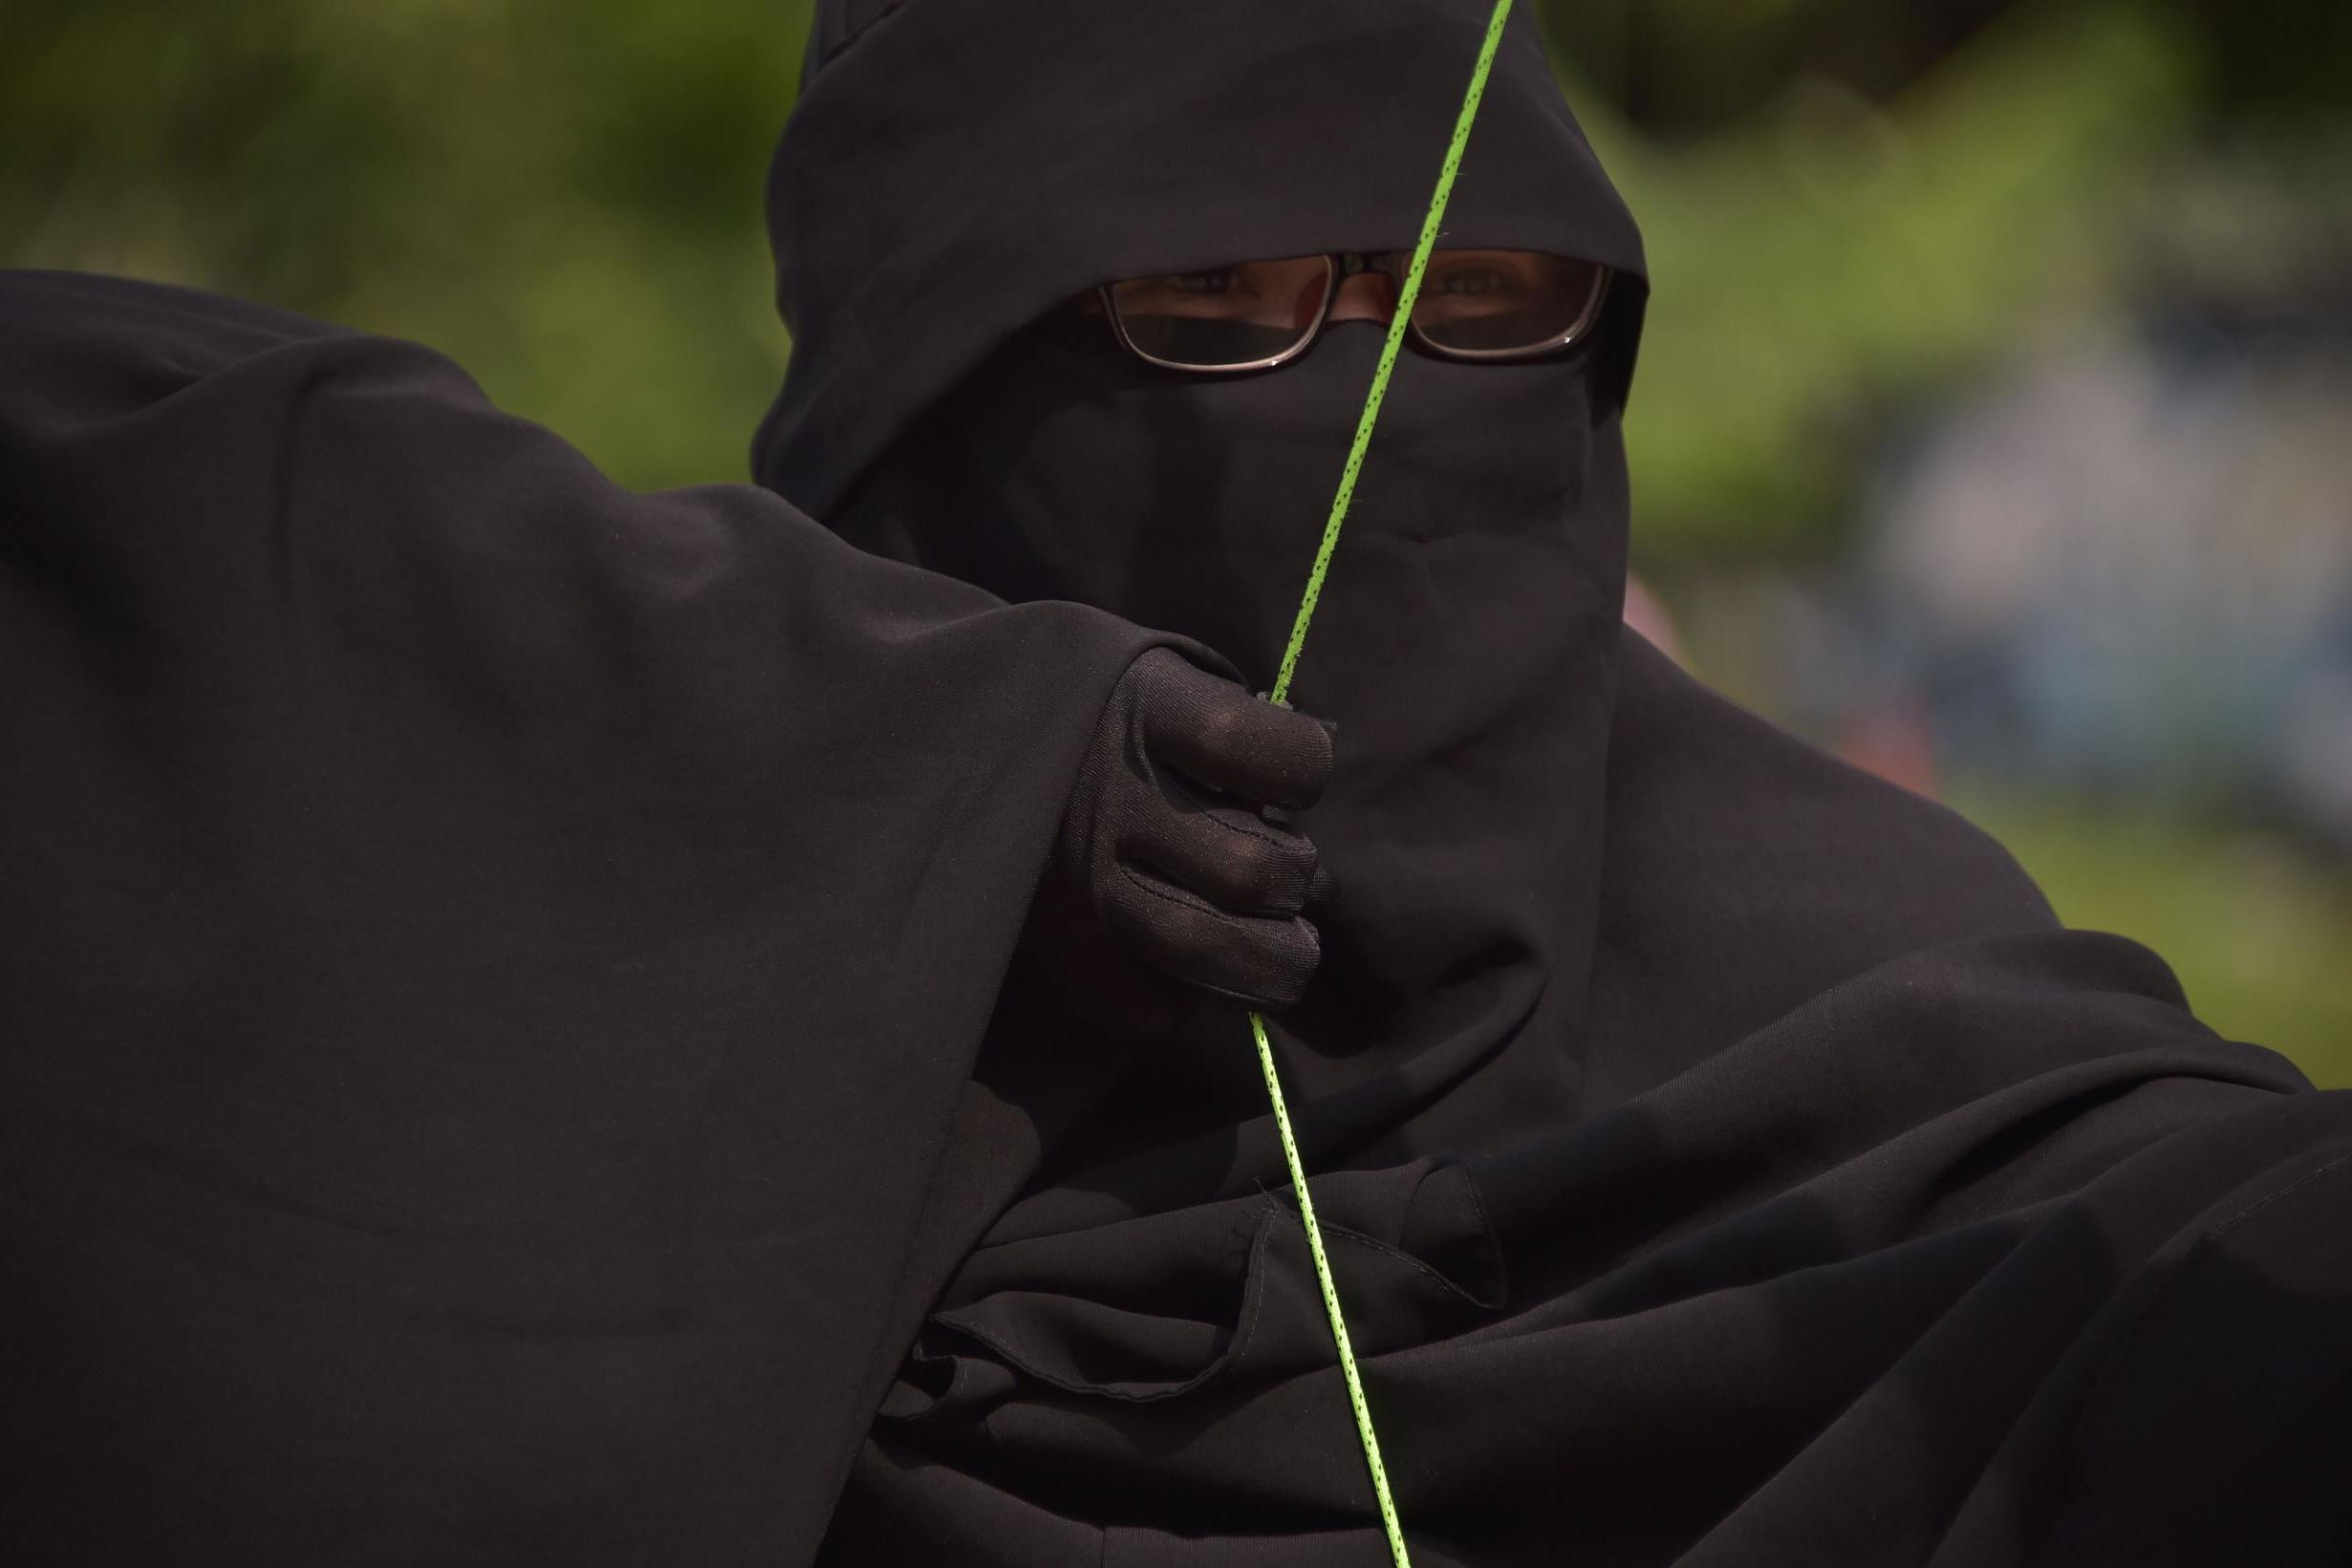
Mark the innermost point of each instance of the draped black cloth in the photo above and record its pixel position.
(506, 1046)
(489, 964)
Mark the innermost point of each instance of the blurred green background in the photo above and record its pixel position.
(1989, 424)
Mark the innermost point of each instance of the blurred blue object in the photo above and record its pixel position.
(2127, 566)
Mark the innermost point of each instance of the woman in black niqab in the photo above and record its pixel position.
(516, 1045)
(1728, 1158)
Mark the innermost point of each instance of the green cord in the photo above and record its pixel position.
(1330, 1298)
(1407, 296)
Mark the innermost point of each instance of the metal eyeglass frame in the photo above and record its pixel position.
(1345, 265)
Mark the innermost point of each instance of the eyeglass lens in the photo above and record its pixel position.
(1476, 303)
(1225, 315)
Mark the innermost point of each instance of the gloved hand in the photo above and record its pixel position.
(1169, 865)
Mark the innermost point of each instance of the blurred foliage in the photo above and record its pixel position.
(1681, 69)
(1841, 257)
(1852, 207)
(2259, 932)
(564, 195)
(1897, 199)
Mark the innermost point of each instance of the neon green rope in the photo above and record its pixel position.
(1330, 1300)
(1407, 296)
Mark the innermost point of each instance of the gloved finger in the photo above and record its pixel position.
(1255, 961)
(1233, 858)
(1322, 887)
(1216, 733)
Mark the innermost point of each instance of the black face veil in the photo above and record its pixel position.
(1618, 1030)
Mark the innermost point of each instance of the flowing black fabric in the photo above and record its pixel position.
(489, 964)
(1727, 1157)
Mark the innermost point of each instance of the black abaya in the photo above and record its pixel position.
(504, 1001)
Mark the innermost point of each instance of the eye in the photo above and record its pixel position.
(1218, 282)
(1474, 282)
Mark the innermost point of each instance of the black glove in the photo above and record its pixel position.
(1169, 865)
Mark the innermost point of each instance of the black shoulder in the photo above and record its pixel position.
(1747, 872)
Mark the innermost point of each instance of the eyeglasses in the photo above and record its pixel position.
(1474, 305)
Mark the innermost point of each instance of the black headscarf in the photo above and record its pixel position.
(1729, 1158)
